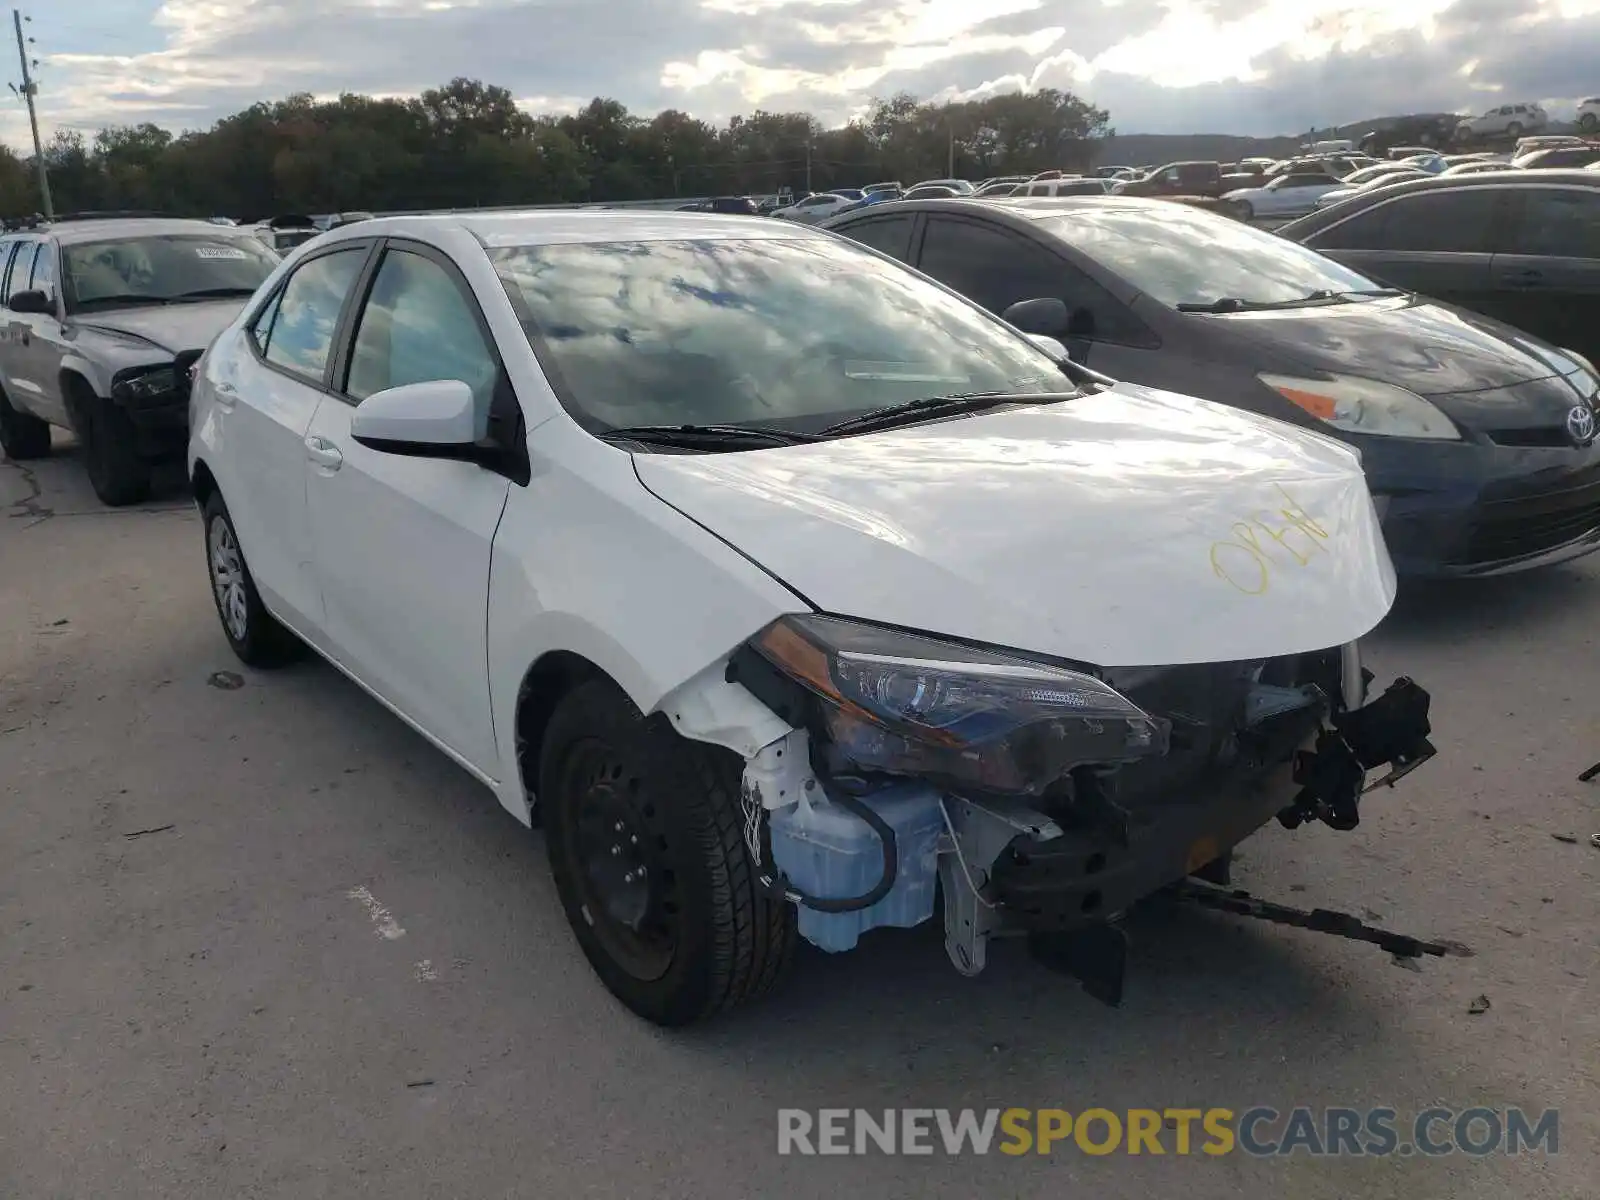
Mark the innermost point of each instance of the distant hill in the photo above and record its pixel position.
(1153, 149)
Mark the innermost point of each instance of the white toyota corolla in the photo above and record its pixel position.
(788, 589)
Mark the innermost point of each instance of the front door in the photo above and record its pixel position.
(403, 543)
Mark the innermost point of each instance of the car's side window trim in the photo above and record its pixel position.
(28, 246)
(1514, 211)
(1497, 190)
(259, 351)
(504, 405)
(8, 251)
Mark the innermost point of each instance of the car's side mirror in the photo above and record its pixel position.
(1045, 315)
(36, 302)
(435, 419)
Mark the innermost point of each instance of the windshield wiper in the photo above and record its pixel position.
(1227, 304)
(708, 436)
(931, 407)
(212, 293)
(119, 299)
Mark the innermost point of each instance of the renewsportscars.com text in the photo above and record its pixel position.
(1259, 1132)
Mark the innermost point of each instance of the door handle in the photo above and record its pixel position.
(324, 453)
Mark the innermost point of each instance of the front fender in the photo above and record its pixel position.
(588, 562)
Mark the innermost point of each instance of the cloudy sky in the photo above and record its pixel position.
(1159, 66)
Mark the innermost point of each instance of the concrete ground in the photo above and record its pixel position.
(334, 967)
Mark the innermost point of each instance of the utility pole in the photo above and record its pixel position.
(29, 89)
(808, 166)
(950, 161)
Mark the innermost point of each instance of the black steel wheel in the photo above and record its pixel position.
(644, 832)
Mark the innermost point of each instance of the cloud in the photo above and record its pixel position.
(1244, 66)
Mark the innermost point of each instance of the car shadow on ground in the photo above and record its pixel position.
(1438, 612)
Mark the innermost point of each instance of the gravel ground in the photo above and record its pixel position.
(334, 967)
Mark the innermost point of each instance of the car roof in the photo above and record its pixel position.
(1016, 209)
(577, 226)
(111, 228)
(1514, 177)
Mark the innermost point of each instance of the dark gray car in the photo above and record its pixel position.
(100, 321)
(1478, 440)
(1523, 246)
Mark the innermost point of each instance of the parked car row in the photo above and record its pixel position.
(1010, 551)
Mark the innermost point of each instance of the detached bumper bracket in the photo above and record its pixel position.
(1318, 920)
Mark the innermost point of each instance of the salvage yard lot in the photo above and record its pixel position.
(264, 941)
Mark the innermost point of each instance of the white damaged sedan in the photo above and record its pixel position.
(787, 589)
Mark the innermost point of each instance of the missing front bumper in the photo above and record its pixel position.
(1010, 869)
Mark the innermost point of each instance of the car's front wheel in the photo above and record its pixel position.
(22, 435)
(1514, 129)
(645, 834)
(1589, 122)
(255, 635)
(117, 473)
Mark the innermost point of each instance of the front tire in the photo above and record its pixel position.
(644, 830)
(117, 473)
(1514, 130)
(253, 633)
(22, 435)
(1589, 122)
(1244, 210)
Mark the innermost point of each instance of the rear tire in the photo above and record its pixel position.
(1589, 122)
(117, 473)
(22, 435)
(253, 633)
(696, 934)
(1514, 130)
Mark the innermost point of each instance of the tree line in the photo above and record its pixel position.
(467, 144)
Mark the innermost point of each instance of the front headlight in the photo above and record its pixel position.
(1586, 379)
(145, 383)
(1359, 405)
(916, 705)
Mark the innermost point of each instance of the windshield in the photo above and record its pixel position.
(1187, 256)
(153, 269)
(782, 334)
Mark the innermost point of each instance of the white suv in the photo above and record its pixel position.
(1513, 120)
(1589, 115)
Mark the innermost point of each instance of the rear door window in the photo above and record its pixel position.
(1455, 222)
(21, 270)
(301, 338)
(1557, 223)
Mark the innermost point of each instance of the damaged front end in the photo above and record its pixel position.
(155, 399)
(1043, 799)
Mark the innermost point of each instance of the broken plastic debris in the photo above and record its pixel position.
(1480, 1004)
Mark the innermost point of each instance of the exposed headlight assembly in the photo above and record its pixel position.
(916, 705)
(1359, 405)
(145, 384)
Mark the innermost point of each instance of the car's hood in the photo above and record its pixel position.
(1430, 348)
(1128, 528)
(170, 327)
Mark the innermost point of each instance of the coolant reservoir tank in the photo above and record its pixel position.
(828, 852)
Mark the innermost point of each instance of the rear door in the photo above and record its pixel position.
(1547, 271)
(41, 346)
(266, 392)
(1436, 242)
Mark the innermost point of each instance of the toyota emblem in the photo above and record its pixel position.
(1580, 424)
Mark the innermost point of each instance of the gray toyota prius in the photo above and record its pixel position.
(1479, 440)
